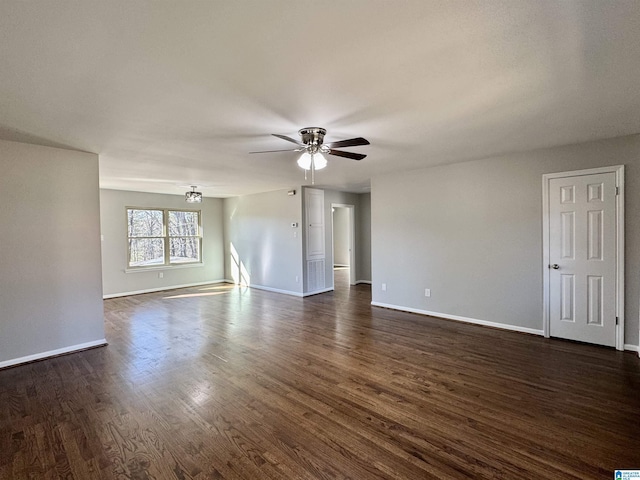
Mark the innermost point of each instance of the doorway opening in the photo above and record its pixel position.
(343, 245)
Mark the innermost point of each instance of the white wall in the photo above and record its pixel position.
(50, 284)
(341, 235)
(472, 233)
(113, 205)
(260, 241)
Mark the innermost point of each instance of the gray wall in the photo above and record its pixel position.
(363, 236)
(472, 233)
(341, 236)
(116, 281)
(50, 284)
(259, 228)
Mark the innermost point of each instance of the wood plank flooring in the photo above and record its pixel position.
(220, 382)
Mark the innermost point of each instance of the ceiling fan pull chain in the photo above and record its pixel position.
(313, 170)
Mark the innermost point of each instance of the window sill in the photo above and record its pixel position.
(163, 267)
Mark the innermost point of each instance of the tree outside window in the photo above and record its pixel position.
(160, 237)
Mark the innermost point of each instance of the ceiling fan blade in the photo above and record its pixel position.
(352, 142)
(287, 150)
(351, 155)
(289, 139)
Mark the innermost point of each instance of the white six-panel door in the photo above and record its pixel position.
(582, 258)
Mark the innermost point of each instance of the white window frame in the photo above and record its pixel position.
(166, 240)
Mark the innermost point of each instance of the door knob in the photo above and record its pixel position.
(555, 266)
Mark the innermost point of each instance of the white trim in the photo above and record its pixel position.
(53, 353)
(620, 256)
(485, 323)
(284, 292)
(352, 241)
(546, 178)
(632, 348)
(166, 238)
(274, 290)
(161, 289)
(317, 292)
(364, 281)
(164, 267)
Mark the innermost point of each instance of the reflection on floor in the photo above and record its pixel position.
(227, 382)
(340, 278)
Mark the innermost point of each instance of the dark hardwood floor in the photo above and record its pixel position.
(226, 382)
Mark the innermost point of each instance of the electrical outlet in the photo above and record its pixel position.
(160, 275)
(427, 292)
(297, 279)
(384, 287)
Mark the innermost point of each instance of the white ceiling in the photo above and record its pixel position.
(172, 93)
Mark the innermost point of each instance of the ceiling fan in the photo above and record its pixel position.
(313, 149)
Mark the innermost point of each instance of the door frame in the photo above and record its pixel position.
(352, 242)
(546, 273)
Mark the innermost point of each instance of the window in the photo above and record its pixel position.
(160, 237)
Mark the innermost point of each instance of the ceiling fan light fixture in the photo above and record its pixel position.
(305, 161)
(193, 196)
(319, 162)
(313, 149)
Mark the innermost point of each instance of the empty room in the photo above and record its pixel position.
(284, 239)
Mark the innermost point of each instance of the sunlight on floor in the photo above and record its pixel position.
(189, 295)
(226, 286)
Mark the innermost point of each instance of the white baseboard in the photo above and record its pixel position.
(287, 292)
(258, 287)
(277, 290)
(458, 318)
(53, 353)
(316, 292)
(368, 282)
(161, 289)
(632, 348)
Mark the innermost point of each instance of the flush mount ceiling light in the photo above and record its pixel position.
(193, 196)
(313, 149)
